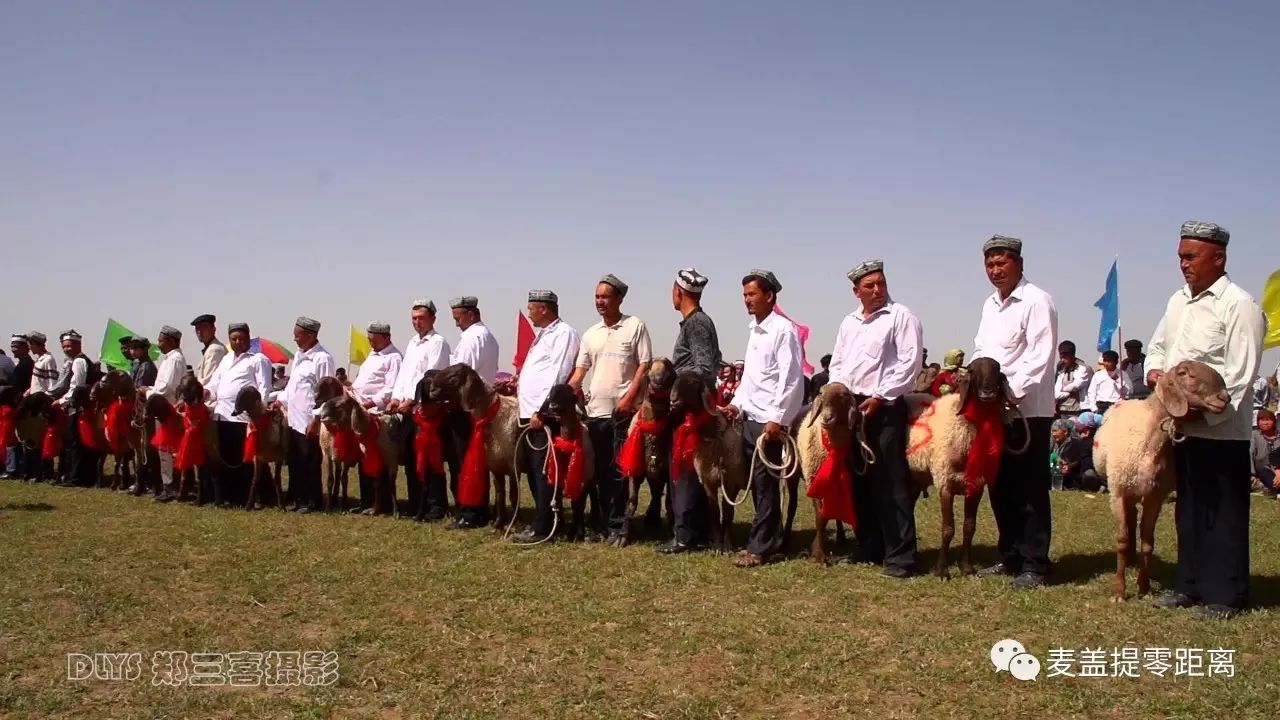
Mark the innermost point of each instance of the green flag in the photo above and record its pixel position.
(110, 355)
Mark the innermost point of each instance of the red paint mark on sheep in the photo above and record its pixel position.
(923, 423)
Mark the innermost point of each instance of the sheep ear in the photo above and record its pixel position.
(815, 410)
(1172, 398)
(962, 389)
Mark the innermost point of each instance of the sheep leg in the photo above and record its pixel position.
(793, 485)
(253, 485)
(818, 550)
(279, 488)
(1150, 514)
(946, 502)
(499, 500)
(713, 516)
(726, 527)
(633, 504)
(513, 491)
(841, 538)
(1124, 510)
(971, 506)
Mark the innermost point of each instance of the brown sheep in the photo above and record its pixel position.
(124, 420)
(265, 444)
(199, 447)
(1133, 450)
(336, 472)
(718, 458)
(646, 456)
(945, 449)
(380, 438)
(574, 480)
(460, 388)
(831, 422)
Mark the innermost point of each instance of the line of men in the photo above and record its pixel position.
(878, 354)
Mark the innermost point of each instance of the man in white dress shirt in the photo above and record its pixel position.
(169, 373)
(477, 348)
(213, 351)
(549, 363)
(427, 350)
(878, 352)
(1214, 321)
(1108, 385)
(768, 401)
(44, 370)
(298, 401)
(1019, 330)
(239, 369)
(373, 387)
(617, 351)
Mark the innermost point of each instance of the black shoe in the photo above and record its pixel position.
(1173, 600)
(1216, 612)
(434, 516)
(305, 510)
(526, 536)
(997, 569)
(1029, 581)
(356, 511)
(896, 572)
(676, 548)
(465, 524)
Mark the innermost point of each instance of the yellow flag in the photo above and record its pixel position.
(1271, 309)
(360, 347)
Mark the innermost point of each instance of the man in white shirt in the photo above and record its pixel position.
(213, 351)
(239, 369)
(1132, 366)
(1071, 384)
(377, 377)
(549, 363)
(767, 401)
(617, 352)
(44, 371)
(169, 374)
(1214, 321)
(1019, 330)
(427, 350)
(878, 353)
(75, 371)
(477, 348)
(298, 401)
(1109, 385)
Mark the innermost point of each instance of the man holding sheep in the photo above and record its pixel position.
(768, 401)
(879, 350)
(1211, 319)
(1019, 330)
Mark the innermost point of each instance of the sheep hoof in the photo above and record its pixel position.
(966, 570)
(942, 573)
(1117, 598)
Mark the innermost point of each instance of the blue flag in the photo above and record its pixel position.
(1109, 304)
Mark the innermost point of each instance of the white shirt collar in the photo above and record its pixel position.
(1216, 289)
(767, 324)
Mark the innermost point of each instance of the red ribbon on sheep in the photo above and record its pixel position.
(983, 462)
(631, 458)
(251, 439)
(568, 475)
(191, 449)
(833, 484)
(8, 427)
(372, 464)
(51, 446)
(85, 429)
(685, 442)
(346, 446)
(119, 416)
(428, 451)
(168, 434)
(473, 481)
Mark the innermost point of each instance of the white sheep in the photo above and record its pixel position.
(941, 445)
(1133, 451)
(834, 414)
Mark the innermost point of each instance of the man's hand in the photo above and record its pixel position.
(274, 405)
(772, 431)
(869, 407)
(731, 411)
(535, 422)
(367, 404)
(313, 428)
(1153, 377)
(627, 405)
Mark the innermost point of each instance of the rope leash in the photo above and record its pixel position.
(555, 483)
(789, 464)
(1026, 433)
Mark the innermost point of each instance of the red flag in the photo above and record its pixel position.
(803, 332)
(524, 340)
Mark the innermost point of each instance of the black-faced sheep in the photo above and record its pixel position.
(646, 455)
(572, 467)
(264, 443)
(955, 444)
(1133, 450)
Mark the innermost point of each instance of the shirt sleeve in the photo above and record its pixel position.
(1155, 348)
(644, 346)
(583, 356)
(900, 378)
(572, 343)
(1246, 326)
(1042, 348)
(263, 376)
(1080, 381)
(437, 358)
(168, 377)
(702, 349)
(1126, 385)
(465, 352)
(393, 374)
(791, 381)
(835, 372)
(211, 387)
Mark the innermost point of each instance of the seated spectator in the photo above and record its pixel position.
(1059, 438)
(1265, 449)
(1109, 385)
(1262, 397)
(1077, 459)
(950, 374)
(1134, 365)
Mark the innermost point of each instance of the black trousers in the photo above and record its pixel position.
(1212, 516)
(608, 493)
(689, 503)
(547, 498)
(766, 492)
(884, 501)
(232, 475)
(429, 497)
(1020, 499)
(304, 461)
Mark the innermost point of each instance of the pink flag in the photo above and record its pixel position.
(803, 332)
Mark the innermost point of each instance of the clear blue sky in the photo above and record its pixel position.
(261, 160)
